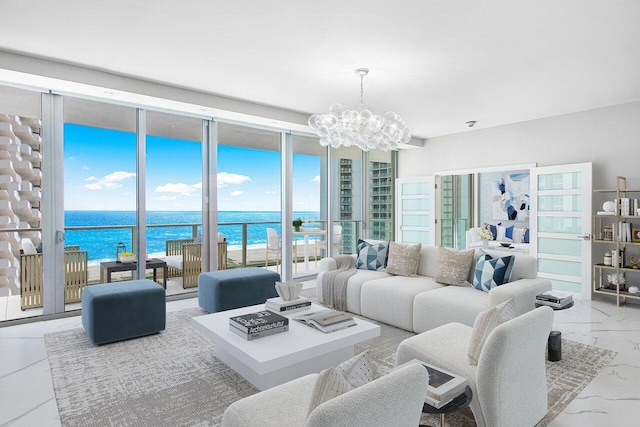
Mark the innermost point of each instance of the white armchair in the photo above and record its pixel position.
(509, 384)
(394, 400)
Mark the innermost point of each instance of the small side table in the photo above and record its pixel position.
(554, 343)
(457, 404)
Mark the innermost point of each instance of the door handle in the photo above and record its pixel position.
(584, 236)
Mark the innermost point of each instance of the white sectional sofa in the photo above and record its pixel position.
(419, 303)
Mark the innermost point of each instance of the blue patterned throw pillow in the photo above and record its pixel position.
(491, 272)
(372, 256)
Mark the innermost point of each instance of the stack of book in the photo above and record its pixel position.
(327, 320)
(278, 305)
(444, 386)
(257, 325)
(555, 299)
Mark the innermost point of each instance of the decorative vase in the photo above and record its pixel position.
(609, 206)
(485, 244)
(296, 227)
(288, 291)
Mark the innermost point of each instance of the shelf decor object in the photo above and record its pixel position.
(614, 228)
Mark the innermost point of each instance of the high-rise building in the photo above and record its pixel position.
(380, 201)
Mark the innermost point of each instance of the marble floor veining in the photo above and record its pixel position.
(612, 398)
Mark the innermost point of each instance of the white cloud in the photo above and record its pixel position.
(316, 178)
(198, 185)
(164, 198)
(237, 193)
(86, 168)
(178, 188)
(109, 182)
(226, 178)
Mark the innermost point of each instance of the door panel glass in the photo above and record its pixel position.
(411, 236)
(565, 268)
(416, 220)
(560, 203)
(21, 277)
(560, 181)
(415, 204)
(548, 224)
(560, 246)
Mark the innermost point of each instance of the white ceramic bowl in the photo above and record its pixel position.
(127, 259)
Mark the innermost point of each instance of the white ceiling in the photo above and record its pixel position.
(436, 63)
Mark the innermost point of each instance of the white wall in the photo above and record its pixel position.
(608, 137)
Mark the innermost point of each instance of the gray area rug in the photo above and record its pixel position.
(173, 378)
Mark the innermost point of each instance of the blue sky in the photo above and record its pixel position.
(100, 171)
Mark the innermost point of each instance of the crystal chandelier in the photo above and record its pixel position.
(359, 126)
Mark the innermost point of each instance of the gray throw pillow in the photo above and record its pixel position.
(453, 267)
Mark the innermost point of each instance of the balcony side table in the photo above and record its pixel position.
(108, 267)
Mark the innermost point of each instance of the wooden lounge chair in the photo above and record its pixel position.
(184, 259)
(31, 275)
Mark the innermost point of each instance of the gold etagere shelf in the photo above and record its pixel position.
(624, 262)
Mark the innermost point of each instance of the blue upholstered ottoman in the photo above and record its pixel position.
(122, 310)
(241, 287)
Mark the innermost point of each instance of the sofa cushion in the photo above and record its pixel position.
(372, 256)
(428, 264)
(491, 272)
(390, 300)
(403, 259)
(448, 304)
(453, 267)
(484, 324)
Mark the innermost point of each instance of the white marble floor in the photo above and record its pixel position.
(27, 397)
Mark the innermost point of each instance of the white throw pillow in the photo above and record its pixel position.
(329, 384)
(484, 324)
(358, 370)
(346, 376)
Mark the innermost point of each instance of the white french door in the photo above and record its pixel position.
(415, 210)
(561, 225)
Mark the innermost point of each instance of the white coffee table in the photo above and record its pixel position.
(275, 359)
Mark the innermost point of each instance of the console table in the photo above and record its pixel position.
(108, 267)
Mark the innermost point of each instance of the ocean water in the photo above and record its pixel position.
(101, 243)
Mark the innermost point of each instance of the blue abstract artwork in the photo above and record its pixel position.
(510, 196)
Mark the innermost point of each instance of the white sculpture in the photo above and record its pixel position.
(288, 291)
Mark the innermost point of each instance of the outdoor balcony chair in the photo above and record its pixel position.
(31, 275)
(336, 244)
(184, 259)
(274, 245)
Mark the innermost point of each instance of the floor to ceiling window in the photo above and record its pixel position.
(381, 176)
(347, 189)
(309, 194)
(99, 186)
(174, 197)
(248, 202)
